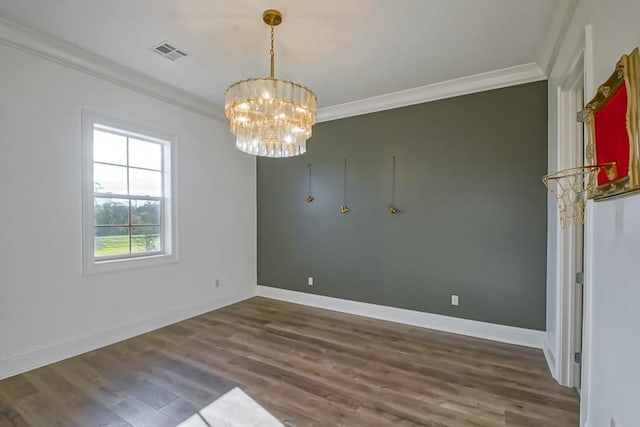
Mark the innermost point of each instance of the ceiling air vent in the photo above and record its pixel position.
(169, 51)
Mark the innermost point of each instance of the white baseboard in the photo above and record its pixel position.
(549, 357)
(473, 328)
(43, 356)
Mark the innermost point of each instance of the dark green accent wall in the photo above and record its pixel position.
(474, 209)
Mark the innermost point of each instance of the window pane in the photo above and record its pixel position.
(111, 241)
(145, 239)
(143, 154)
(144, 182)
(146, 212)
(109, 148)
(111, 211)
(109, 179)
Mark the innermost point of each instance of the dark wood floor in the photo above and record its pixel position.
(306, 366)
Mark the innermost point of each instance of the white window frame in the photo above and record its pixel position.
(169, 236)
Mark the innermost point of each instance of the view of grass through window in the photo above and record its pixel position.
(128, 194)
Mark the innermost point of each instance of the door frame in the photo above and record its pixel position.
(570, 85)
(589, 238)
(582, 64)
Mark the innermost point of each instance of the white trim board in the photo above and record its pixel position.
(43, 356)
(50, 48)
(44, 46)
(558, 26)
(473, 328)
(549, 356)
(589, 243)
(512, 76)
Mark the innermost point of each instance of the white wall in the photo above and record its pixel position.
(48, 309)
(614, 382)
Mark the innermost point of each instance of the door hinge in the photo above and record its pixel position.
(580, 116)
(580, 278)
(577, 357)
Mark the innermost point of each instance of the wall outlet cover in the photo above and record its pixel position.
(454, 299)
(310, 281)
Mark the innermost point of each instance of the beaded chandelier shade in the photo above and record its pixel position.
(271, 117)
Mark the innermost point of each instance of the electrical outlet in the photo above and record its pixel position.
(217, 283)
(454, 299)
(310, 281)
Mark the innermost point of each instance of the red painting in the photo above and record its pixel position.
(612, 136)
(613, 129)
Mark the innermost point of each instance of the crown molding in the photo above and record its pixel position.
(557, 30)
(505, 77)
(44, 46)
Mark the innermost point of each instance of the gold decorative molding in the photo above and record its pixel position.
(627, 73)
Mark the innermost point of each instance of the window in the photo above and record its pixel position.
(128, 209)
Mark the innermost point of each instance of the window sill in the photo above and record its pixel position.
(97, 267)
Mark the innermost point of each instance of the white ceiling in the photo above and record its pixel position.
(344, 50)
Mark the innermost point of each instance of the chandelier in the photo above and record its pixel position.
(270, 117)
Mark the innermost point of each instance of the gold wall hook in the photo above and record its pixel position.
(392, 206)
(309, 198)
(344, 208)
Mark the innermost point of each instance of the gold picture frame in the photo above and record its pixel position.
(611, 125)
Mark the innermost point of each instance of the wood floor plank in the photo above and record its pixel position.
(343, 382)
(17, 388)
(138, 413)
(307, 366)
(183, 387)
(180, 409)
(72, 401)
(82, 374)
(40, 410)
(434, 375)
(383, 385)
(9, 416)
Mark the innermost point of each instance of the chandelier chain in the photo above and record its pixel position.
(272, 52)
